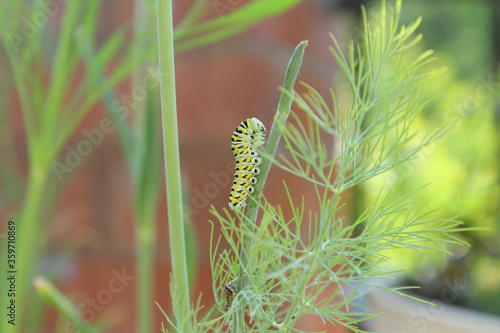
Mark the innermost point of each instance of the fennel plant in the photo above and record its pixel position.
(294, 258)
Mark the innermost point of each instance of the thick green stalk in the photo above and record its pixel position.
(26, 221)
(180, 300)
(282, 112)
(27, 244)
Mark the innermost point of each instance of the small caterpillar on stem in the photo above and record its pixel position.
(246, 138)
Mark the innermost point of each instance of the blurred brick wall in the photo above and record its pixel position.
(218, 87)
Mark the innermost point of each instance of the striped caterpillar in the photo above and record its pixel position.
(247, 136)
(231, 291)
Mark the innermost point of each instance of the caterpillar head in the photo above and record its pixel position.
(257, 125)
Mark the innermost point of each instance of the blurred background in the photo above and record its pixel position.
(86, 222)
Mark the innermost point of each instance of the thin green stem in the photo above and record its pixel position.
(145, 224)
(180, 282)
(27, 243)
(197, 10)
(145, 209)
(52, 296)
(145, 275)
(18, 72)
(282, 113)
(60, 69)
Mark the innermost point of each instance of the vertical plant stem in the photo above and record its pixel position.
(282, 112)
(141, 25)
(27, 243)
(180, 299)
(145, 274)
(60, 73)
(145, 214)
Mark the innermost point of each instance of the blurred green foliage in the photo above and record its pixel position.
(459, 31)
(57, 68)
(462, 167)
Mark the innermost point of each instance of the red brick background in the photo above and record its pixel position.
(218, 87)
